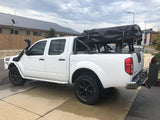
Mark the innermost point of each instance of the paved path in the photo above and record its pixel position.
(3, 74)
(4, 53)
(147, 60)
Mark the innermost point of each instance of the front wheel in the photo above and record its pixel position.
(87, 89)
(15, 77)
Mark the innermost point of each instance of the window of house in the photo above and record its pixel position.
(38, 48)
(11, 31)
(27, 32)
(16, 32)
(57, 47)
(37, 33)
(0, 30)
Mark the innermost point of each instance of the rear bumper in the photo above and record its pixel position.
(138, 80)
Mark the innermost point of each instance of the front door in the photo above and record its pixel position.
(34, 61)
(56, 61)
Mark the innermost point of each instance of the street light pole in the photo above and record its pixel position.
(133, 15)
(144, 37)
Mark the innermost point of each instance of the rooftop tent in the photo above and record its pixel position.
(120, 34)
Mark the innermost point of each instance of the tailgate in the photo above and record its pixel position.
(138, 61)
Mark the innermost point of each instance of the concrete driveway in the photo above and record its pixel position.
(3, 74)
(48, 101)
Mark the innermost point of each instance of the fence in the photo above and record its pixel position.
(9, 41)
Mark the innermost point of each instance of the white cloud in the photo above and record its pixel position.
(7, 10)
(89, 1)
(88, 14)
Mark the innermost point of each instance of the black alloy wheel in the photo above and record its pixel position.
(15, 77)
(87, 89)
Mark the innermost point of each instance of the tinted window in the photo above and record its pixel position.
(57, 47)
(81, 49)
(38, 48)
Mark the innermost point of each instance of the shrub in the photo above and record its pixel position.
(154, 42)
(157, 55)
(157, 45)
(51, 33)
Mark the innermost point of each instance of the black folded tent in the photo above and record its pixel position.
(124, 34)
(119, 35)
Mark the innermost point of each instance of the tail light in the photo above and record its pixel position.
(129, 66)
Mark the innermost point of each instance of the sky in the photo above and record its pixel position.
(87, 14)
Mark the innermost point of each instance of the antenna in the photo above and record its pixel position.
(13, 21)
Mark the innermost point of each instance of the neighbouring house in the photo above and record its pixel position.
(15, 29)
(148, 36)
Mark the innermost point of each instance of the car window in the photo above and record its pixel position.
(81, 49)
(57, 47)
(38, 48)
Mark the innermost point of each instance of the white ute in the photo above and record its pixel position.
(69, 60)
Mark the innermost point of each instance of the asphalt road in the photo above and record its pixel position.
(146, 105)
(3, 74)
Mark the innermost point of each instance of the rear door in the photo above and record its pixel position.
(138, 61)
(56, 60)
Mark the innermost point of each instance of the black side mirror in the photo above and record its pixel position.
(28, 43)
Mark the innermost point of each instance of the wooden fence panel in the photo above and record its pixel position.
(8, 41)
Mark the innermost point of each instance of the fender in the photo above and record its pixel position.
(14, 63)
(89, 65)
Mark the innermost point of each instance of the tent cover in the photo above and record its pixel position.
(119, 34)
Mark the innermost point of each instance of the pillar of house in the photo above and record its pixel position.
(148, 39)
(143, 37)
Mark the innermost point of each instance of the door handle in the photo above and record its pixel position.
(42, 59)
(61, 59)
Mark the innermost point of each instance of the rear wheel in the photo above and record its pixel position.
(15, 77)
(87, 89)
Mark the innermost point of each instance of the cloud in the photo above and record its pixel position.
(87, 14)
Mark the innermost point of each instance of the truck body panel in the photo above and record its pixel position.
(110, 68)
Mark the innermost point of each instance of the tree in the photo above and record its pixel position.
(51, 33)
(157, 47)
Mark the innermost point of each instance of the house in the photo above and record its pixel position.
(15, 29)
(147, 36)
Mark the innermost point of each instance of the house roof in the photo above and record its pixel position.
(148, 31)
(8, 19)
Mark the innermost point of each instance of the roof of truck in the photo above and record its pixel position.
(58, 38)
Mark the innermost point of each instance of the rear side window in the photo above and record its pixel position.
(81, 49)
(57, 47)
(38, 48)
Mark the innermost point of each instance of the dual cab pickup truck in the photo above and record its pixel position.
(89, 66)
